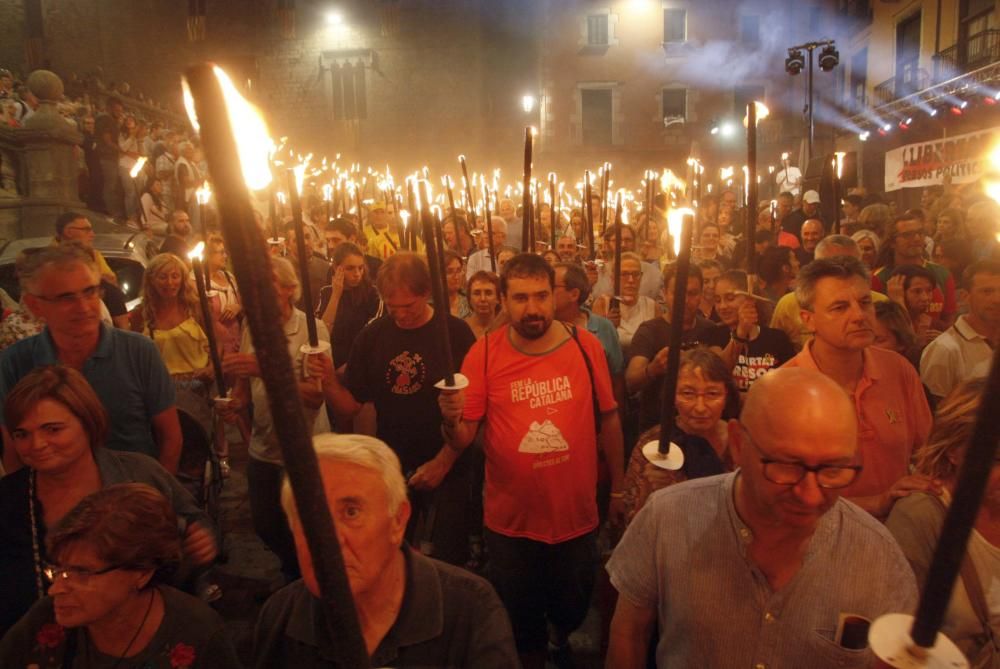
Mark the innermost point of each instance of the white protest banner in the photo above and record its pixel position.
(926, 163)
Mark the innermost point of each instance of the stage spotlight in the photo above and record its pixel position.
(905, 123)
(884, 129)
(932, 111)
(990, 99)
(957, 109)
(863, 136)
(795, 61)
(727, 129)
(829, 58)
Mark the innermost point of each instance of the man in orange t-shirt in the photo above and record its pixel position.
(541, 386)
(835, 299)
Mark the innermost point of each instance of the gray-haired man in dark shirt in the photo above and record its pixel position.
(757, 568)
(414, 611)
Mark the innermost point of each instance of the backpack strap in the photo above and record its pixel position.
(590, 374)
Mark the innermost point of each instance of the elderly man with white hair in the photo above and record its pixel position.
(413, 610)
(480, 260)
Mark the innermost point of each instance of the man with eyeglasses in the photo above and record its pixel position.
(651, 282)
(73, 227)
(836, 306)
(758, 567)
(907, 241)
(124, 368)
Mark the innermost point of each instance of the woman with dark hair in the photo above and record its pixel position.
(57, 427)
(484, 299)
(108, 604)
(706, 397)
(454, 271)
(912, 287)
(350, 301)
(153, 207)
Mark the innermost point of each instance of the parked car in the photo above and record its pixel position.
(127, 255)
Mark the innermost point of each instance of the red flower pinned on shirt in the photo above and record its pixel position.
(182, 656)
(51, 635)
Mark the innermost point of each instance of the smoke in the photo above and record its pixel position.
(726, 64)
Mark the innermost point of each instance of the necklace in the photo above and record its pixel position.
(145, 617)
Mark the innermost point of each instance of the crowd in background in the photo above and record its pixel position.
(825, 394)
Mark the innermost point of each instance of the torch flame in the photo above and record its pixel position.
(327, 192)
(139, 164)
(197, 251)
(204, 193)
(405, 217)
(838, 162)
(675, 223)
(762, 113)
(991, 182)
(300, 174)
(669, 181)
(248, 125)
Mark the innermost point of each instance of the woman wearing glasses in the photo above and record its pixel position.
(107, 604)
(706, 398)
(57, 426)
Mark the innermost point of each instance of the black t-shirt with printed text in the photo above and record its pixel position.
(771, 349)
(396, 369)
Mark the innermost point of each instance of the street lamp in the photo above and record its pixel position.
(829, 58)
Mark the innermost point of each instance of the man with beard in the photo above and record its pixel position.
(729, 568)
(907, 241)
(835, 303)
(543, 390)
(394, 364)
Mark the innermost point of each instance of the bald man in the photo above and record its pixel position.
(755, 568)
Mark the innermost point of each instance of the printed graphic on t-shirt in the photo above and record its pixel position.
(750, 368)
(406, 374)
(543, 438)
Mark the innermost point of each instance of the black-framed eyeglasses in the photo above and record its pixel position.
(53, 573)
(88, 294)
(779, 472)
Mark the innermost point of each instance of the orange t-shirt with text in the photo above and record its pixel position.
(540, 439)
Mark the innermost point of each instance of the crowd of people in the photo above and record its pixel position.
(824, 399)
(114, 140)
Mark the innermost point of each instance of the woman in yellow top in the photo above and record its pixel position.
(171, 318)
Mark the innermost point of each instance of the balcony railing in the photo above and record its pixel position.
(910, 80)
(979, 50)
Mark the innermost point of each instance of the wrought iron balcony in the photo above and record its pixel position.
(978, 51)
(909, 80)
